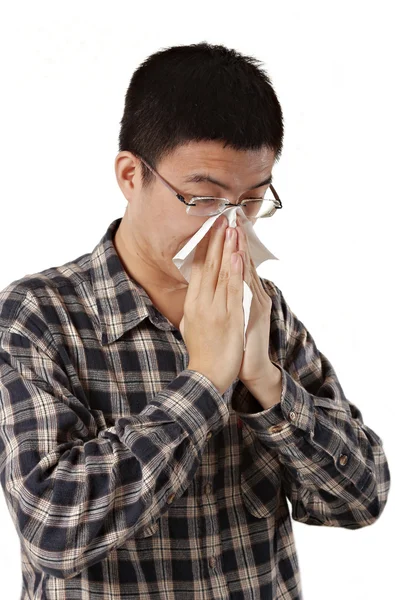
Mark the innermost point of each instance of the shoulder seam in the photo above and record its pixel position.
(15, 312)
(12, 327)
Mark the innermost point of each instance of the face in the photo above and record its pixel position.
(156, 225)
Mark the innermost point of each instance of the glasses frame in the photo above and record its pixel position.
(277, 201)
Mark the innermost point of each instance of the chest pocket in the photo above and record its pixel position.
(260, 476)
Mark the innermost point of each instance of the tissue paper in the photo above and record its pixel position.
(259, 253)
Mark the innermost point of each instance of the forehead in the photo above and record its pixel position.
(211, 157)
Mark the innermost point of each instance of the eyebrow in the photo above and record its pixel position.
(199, 177)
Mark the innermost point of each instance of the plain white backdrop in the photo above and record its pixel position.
(65, 68)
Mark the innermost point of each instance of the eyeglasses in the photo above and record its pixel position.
(206, 206)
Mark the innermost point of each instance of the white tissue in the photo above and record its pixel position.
(259, 253)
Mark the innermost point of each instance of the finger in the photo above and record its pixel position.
(225, 272)
(245, 266)
(264, 298)
(258, 287)
(243, 246)
(234, 288)
(197, 266)
(251, 278)
(181, 326)
(213, 261)
(249, 263)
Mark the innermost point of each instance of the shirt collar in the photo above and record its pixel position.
(121, 301)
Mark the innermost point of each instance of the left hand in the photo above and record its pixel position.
(256, 364)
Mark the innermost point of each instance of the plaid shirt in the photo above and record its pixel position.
(128, 475)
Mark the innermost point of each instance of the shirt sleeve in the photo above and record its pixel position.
(335, 471)
(76, 488)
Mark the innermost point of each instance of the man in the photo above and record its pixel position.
(144, 453)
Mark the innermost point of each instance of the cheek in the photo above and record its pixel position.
(190, 232)
(173, 231)
(179, 243)
(185, 230)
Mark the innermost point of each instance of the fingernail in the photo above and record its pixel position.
(229, 233)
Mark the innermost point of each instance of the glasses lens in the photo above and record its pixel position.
(259, 208)
(205, 207)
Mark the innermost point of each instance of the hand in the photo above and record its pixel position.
(256, 364)
(213, 324)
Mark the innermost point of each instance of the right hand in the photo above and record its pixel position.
(213, 321)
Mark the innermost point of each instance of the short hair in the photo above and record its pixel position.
(199, 92)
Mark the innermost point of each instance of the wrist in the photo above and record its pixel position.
(266, 388)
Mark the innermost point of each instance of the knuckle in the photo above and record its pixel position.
(216, 319)
(223, 276)
(219, 321)
(209, 265)
(233, 288)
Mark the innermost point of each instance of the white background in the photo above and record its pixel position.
(65, 68)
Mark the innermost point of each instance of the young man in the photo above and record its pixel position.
(144, 454)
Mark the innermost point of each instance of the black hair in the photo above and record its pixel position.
(199, 92)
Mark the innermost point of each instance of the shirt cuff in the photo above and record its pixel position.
(195, 403)
(287, 421)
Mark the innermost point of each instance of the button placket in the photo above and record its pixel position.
(208, 509)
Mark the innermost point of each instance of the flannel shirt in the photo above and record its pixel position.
(128, 475)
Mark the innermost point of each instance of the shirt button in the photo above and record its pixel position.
(275, 428)
(343, 459)
(292, 415)
(207, 488)
(212, 561)
(170, 499)
(209, 435)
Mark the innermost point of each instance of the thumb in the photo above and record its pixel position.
(182, 326)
